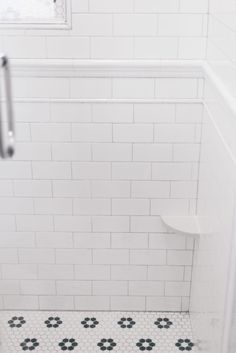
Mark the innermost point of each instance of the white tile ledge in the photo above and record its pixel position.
(188, 225)
(107, 68)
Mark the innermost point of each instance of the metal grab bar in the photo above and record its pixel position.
(7, 143)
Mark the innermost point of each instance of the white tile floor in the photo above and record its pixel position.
(90, 332)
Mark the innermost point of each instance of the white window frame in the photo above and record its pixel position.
(42, 25)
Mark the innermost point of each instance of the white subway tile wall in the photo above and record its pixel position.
(118, 29)
(80, 204)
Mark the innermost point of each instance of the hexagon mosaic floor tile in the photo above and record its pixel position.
(91, 332)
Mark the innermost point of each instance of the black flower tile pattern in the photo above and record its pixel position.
(53, 322)
(16, 321)
(163, 323)
(90, 322)
(106, 344)
(93, 332)
(145, 344)
(184, 344)
(126, 322)
(68, 344)
(29, 344)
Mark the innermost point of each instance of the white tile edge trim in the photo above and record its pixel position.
(107, 68)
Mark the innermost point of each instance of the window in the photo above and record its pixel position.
(34, 12)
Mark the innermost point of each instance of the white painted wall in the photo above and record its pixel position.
(118, 29)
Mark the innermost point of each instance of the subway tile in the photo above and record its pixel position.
(174, 289)
(30, 223)
(148, 257)
(36, 256)
(91, 240)
(111, 6)
(68, 47)
(71, 152)
(130, 207)
(147, 288)
(73, 287)
(110, 256)
(184, 189)
(71, 188)
(8, 256)
(128, 272)
(133, 133)
(51, 170)
(111, 48)
(150, 189)
(176, 88)
(54, 240)
(110, 189)
(171, 171)
(92, 132)
(156, 47)
(9, 287)
(32, 112)
(17, 239)
(14, 205)
(16, 170)
(133, 88)
(19, 271)
(33, 151)
(117, 152)
(6, 188)
(169, 207)
(37, 287)
(179, 257)
(167, 241)
(32, 188)
(73, 256)
(91, 206)
(163, 303)
(7, 223)
(146, 224)
(130, 303)
(72, 223)
(50, 132)
(56, 302)
(129, 240)
(41, 87)
(161, 6)
(131, 171)
(92, 24)
(180, 25)
(90, 88)
(152, 152)
(51, 206)
(154, 113)
(134, 25)
(92, 302)
(70, 112)
(166, 273)
(20, 302)
(55, 271)
(92, 272)
(110, 288)
(94, 170)
(174, 133)
(110, 223)
(112, 113)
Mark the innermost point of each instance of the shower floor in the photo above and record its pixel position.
(90, 332)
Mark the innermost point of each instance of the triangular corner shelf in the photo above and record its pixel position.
(182, 224)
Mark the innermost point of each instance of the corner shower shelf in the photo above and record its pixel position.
(183, 225)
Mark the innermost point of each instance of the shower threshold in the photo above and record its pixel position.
(96, 331)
